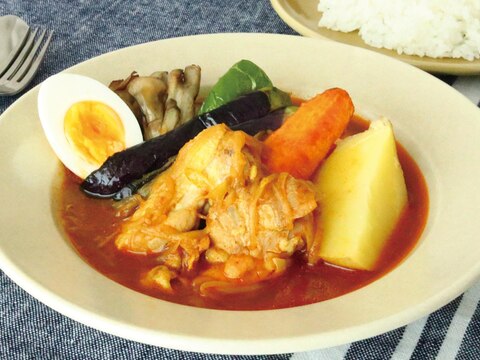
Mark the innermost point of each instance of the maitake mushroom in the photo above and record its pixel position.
(166, 100)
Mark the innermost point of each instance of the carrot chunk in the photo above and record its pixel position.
(307, 136)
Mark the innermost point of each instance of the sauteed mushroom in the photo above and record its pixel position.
(161, 101)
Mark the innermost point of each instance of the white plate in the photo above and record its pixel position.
(303, 17)
(438, 126)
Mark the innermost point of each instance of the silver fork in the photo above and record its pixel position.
(23, 68)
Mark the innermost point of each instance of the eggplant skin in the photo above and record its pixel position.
(271, 121)
(128, 165)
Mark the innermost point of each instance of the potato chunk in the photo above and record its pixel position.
(362, 194)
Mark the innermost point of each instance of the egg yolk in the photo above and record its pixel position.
(94, 130)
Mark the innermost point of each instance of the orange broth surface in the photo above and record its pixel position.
(91, 226)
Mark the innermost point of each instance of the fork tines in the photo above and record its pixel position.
(25, 65)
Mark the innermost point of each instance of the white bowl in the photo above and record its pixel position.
(437, 125)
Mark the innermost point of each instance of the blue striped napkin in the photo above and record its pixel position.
(83, 29)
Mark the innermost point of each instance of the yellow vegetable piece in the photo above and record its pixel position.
(362, 194)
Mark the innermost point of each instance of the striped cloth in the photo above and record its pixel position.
(83, 29)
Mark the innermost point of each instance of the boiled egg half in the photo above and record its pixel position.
(85, 122)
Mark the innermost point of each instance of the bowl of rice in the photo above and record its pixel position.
(439, 36)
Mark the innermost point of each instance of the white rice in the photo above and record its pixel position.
(434, 28)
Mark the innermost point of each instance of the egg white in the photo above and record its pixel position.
(57, 94)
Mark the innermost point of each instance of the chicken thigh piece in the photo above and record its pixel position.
(205, 167)
(255, 221)
(263, 220)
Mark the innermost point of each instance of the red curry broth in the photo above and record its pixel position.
(91, 226)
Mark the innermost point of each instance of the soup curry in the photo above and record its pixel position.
(93, 225)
